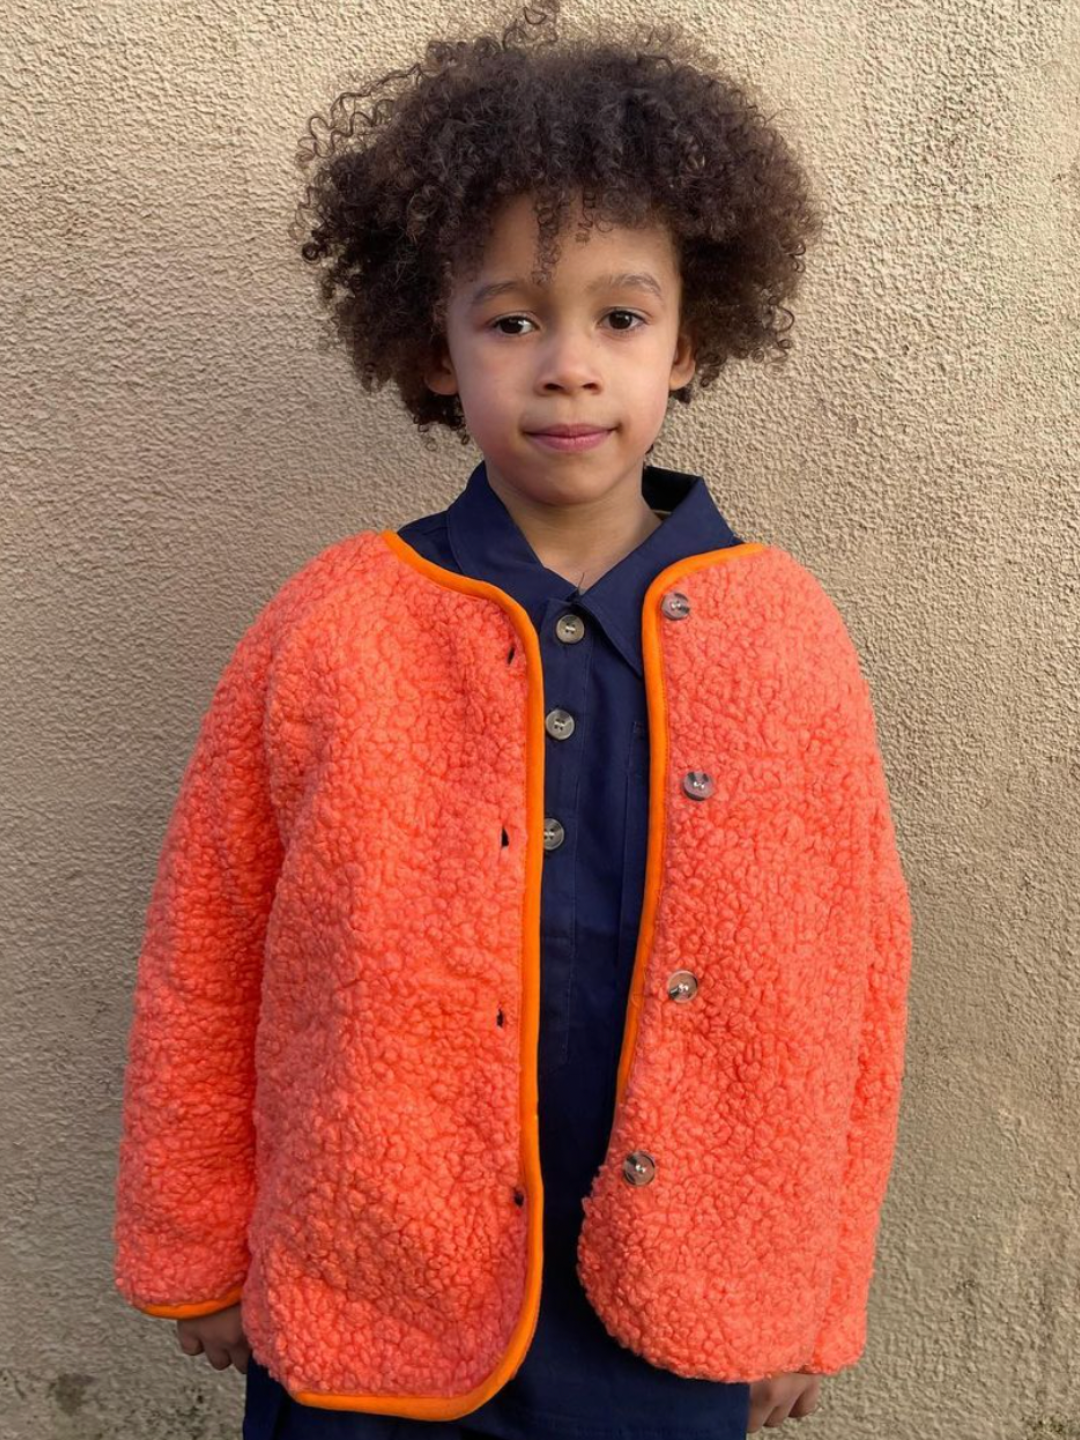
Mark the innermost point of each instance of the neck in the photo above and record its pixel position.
(581, 542)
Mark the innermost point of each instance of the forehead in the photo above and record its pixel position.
(512, 246)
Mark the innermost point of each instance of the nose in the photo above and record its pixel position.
(568, 363)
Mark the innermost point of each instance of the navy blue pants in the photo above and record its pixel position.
(270, 1414)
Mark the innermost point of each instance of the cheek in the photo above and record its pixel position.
(476, 373)
(488, 366)
(650, 400)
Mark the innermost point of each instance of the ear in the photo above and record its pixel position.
(439, 374)
(684, 365)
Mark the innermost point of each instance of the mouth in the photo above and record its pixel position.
(569, 429)
(574, 439)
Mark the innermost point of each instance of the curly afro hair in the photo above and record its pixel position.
(642, 126)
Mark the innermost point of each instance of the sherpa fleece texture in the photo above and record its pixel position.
(329, 1107)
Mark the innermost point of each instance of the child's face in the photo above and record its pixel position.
(573, 357)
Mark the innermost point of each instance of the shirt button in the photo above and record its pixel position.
(554, 834)
(639, 1168)
(559, 723)
(698, 784)
(570, 628)
(675, 605)
(682, 986)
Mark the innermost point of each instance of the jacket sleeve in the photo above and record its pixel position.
(185, 1181)
(874, 1115)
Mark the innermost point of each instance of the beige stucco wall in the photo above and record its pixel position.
(175, 443)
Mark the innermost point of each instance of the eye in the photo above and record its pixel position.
(629, 330)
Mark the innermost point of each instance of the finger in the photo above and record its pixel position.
(805, 1405)
(777, 1416)
(189, 1343)
(218, 1357)
(240, 1355)
(761, 1408)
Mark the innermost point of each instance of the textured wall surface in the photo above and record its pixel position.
(175, 443)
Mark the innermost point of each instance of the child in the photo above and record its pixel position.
(519, 1023)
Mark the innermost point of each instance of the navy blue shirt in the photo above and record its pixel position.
(575, 1380)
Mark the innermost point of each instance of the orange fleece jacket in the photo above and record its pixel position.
(329, 1107)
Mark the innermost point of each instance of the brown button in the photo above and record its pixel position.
(675, 605)
(682, 986)
(698, 784)
(639, 1168)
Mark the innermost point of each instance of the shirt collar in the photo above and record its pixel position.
(488, 544)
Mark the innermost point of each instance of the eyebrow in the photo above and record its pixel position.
(628, 281)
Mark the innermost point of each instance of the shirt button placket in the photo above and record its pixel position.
(569, 628)
(564, 677)
(559, 724)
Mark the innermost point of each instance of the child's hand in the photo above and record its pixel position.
(781, 1397)
(218, 1335)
